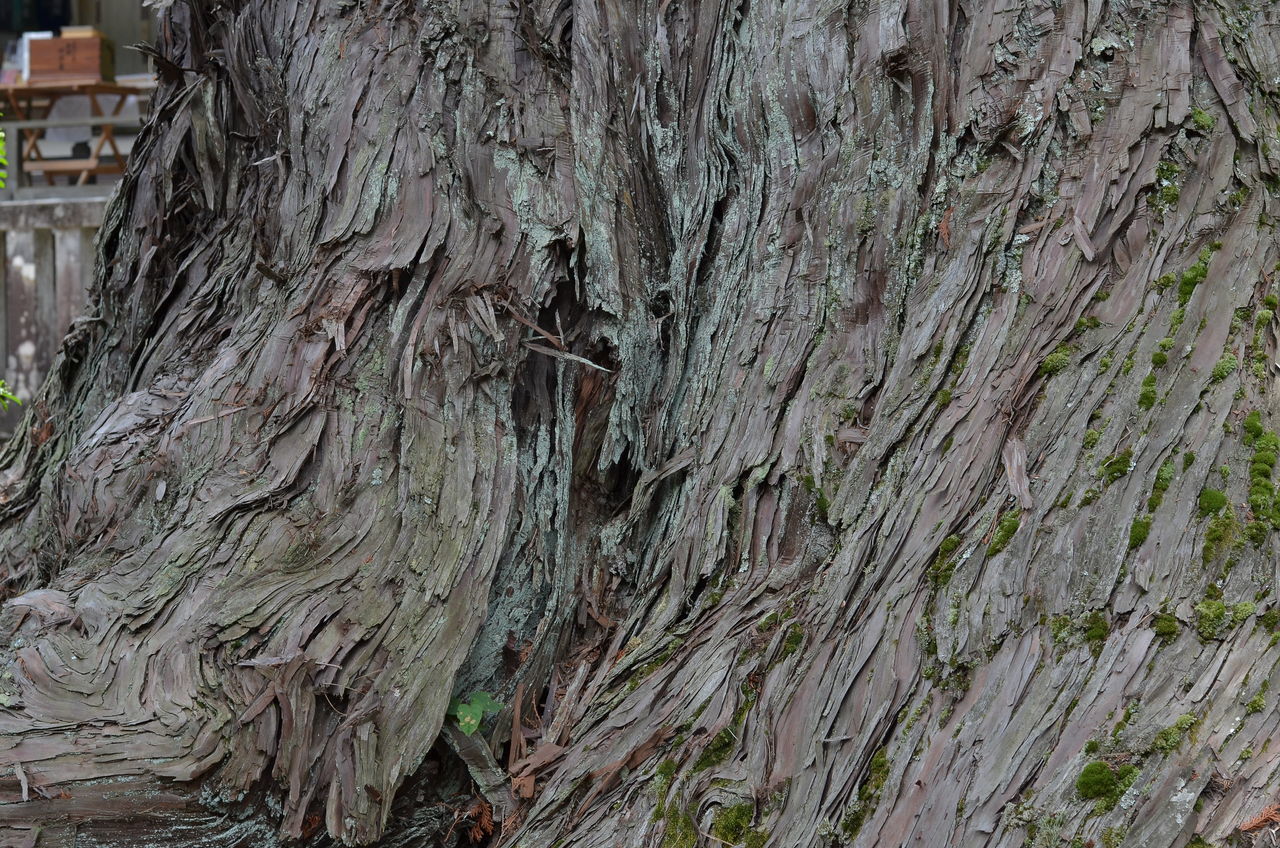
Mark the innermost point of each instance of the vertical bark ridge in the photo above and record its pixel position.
(778, 386)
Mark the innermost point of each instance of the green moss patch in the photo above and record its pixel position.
(724, 742)
(1147, 396)
(1098, 781)
(1166, 626)
(1189, 279)
(1270, 620)
(1005, 528)
(868, 794)
(1202, 120)
(1116, 466)
(1164, 478)
(1211, 502)
(717, 750)
(732, 826)
(1258, 702)
(653, 665)
(1253, 428)
(1220, 535)
(1056, 362)
(943, 564)
(681, 831)
(1138, 532)
(793, 640)
(1095, 629)
(1262, 492)
(1170, 739)
(1211, 618)
(1224, 368)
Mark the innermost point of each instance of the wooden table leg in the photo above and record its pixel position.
(108, 135)
(37, 134)
(109, 131)
(33, 152)
(95, 112)
(28, 142)
(21, 115)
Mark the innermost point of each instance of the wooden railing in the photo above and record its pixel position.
(21, 168)
(48, 249)
(29, 115)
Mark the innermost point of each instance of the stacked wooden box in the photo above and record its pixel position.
(81, 56)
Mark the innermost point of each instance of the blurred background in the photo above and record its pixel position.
(72, 98)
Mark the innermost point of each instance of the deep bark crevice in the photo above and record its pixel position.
(764, 403)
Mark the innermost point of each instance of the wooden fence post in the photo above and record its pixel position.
(71, 250)
(46, 297)
(5, 353)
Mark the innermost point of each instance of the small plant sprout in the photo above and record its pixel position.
(470, 713)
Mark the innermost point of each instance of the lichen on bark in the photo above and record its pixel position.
(548, 349)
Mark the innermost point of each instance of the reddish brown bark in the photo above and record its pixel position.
(789, 398)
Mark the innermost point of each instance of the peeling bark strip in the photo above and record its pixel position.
(849, 424)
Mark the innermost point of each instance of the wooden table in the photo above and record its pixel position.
(28, 107)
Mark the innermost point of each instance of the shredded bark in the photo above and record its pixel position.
(772, 391)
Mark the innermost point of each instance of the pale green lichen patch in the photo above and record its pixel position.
(1214, 618)
(1224, 368)
(1171, 738)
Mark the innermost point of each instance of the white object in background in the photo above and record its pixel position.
(77, 106)
(69, 107)
(27, 38)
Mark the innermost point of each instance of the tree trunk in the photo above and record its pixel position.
(816, 424)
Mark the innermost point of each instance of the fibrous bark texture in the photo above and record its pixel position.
(816, 423)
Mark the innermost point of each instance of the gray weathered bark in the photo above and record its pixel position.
(782, 408)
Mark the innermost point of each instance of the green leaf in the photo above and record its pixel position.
(7, 397)
(470, 714)
(469, 718)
